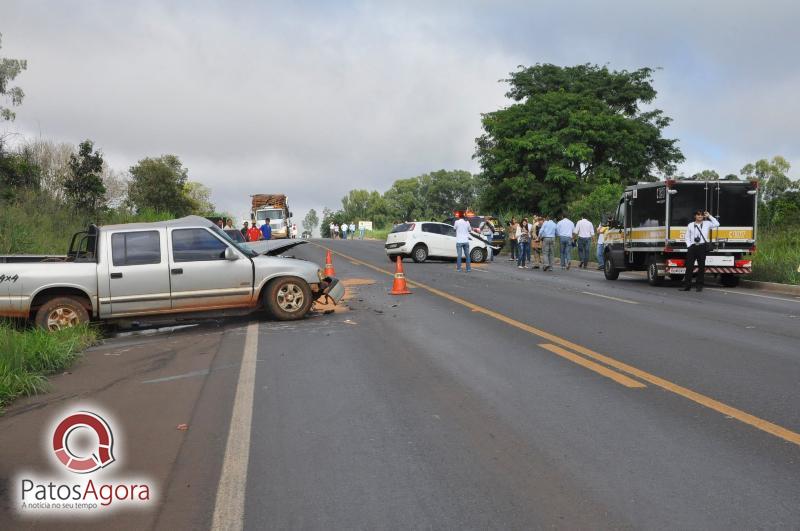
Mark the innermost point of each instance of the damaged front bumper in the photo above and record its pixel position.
(330, 287)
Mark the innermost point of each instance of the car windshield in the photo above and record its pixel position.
(262, 215)
(242, 247)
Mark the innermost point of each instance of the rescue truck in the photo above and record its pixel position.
(648, 229)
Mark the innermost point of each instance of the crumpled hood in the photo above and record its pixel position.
(274, 247)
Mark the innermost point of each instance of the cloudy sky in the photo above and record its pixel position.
(315, 98)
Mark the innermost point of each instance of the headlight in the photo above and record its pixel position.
(320, 275)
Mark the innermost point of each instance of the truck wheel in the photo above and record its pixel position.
(420, 253)
(652, 273)
(728, 280)
(288, 298)
(61, 313)
(477, 255)
(609, 271)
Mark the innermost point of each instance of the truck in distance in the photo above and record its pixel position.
(648, 229)
(274, 210)
(154, 272)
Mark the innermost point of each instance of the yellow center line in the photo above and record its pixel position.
(596, 367)
(626, 301)
(703, 400)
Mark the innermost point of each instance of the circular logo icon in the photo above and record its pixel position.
(98, 457)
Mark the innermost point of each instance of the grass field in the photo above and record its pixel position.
(778, 256)
(27, 356)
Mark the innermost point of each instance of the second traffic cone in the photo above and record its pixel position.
(399, 287)
(329, 271)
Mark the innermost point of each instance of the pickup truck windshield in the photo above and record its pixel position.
(262, 215)
(246, 250)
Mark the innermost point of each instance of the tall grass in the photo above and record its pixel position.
(778, 256)
(27, 356)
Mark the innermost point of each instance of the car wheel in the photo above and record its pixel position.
(652, 273)
(288, 298)
(728, 280)
(420, 253)
(477, 255)
(61, 313)
(610, 272)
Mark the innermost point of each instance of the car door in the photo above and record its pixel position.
(201, 277)
(449, 240)
(433, 238)
(138, 273)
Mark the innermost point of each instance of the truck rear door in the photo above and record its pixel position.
(138, 274)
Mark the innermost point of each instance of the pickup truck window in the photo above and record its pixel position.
(196, 245)
(135, 248)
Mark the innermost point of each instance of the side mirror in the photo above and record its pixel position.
(230, 254)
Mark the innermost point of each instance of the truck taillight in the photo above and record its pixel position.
(676, 262)
(743, 263)
(668, 248)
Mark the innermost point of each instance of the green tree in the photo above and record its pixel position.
(441, 192)
(568, 130)
(18, 172)
(771, 175)
(356, 204)
(199, 196)
(598, 204)
(706, 175)
(731, 177)
(84, 186)
(310, 221)
(159, 184)
(9, 70)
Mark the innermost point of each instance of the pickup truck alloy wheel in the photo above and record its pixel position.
(288, 298)
(61, 313)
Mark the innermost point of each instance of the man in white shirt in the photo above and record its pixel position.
(352, 231)
(463, 229)
(564, 229)
(698, 236)
(584, 230)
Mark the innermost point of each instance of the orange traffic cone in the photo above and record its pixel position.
(399, 287)
(329, 271)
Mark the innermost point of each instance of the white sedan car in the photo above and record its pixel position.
(430, 239)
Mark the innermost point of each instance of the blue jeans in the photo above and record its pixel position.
(524, 253)
(361, 233)
(489, 249)
(462, 247)
(583, 249)
(566, 250)
(600, 259)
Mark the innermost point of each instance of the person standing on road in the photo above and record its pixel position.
(253, 234)
(352, 230)
(463, 229)
(331, 230)
(536, 243)
(601, 238)
(487, 231)
(243, 230)
(697, 240)
(343, 231)
(335, 231)
(547, 234)
(361, 229)
(584, 230)
(524, 239)
(512, 239)
(266, 231)
(564, 229)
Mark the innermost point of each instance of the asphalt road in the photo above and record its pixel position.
(502, 398)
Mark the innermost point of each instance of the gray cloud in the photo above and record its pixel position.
(316, 99)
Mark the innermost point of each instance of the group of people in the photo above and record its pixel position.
(341, 231)
(533, 244)
(252, 233)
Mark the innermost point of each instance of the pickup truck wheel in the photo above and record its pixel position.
(288, 298)
(61, 313)
(610, 272)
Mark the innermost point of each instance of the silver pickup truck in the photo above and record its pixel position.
(184, 268)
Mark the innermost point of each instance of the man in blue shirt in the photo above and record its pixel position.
(547, 235)
(266, 230)
(565, 229)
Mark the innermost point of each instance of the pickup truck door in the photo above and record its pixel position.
(137, 274)
(200, 275)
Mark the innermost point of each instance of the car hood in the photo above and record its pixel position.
(274, 247)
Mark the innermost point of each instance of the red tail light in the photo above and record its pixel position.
(676, 262)
(668, 249)
(743, 263)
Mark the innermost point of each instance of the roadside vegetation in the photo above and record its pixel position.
(29, 355)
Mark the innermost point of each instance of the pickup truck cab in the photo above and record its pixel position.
(167, 270)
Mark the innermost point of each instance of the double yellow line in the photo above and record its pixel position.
(625, 374)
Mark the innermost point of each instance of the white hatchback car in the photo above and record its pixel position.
(430, 239)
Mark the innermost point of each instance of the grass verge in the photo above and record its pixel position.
(28, 356)
(778, 256)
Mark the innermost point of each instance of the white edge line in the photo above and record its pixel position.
(609, 297)
(755, 295)
(229, 504)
